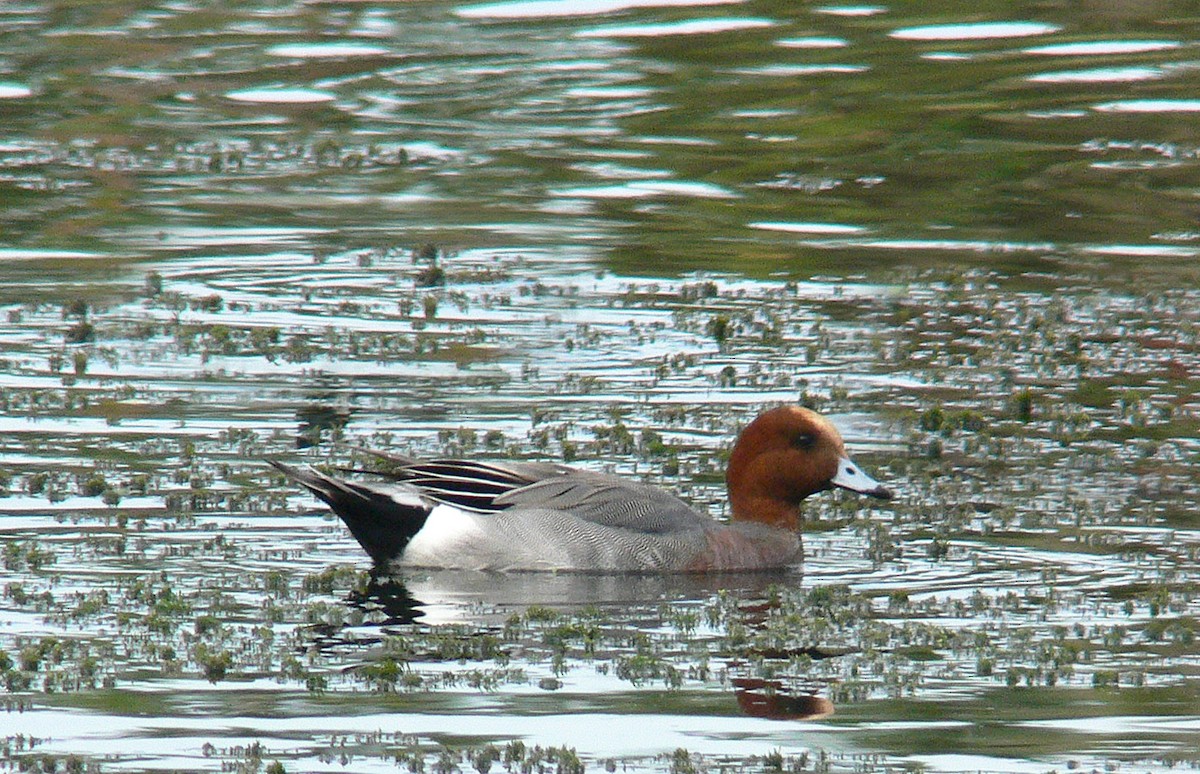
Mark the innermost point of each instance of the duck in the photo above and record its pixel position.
(464, 514)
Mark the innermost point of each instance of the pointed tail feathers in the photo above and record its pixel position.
(382, 518)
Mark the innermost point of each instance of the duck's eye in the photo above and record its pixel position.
(804, 441)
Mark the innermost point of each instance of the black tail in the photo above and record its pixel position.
(381, 520)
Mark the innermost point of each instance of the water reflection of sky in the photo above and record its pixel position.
(978, 31)
(532, 9)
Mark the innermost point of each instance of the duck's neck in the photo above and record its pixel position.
(764, 509)
(757, 490)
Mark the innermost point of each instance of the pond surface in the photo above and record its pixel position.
(605, 232)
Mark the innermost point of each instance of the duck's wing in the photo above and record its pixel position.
(611, 502)
(475, 486)
(489, 487)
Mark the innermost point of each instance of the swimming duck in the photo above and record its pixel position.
(465, 514)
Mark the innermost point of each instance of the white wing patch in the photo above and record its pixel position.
(448, 534)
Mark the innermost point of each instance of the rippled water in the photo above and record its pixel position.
(606, 232)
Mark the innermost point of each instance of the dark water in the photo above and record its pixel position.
(607, 233)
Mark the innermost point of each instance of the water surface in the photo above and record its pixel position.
(607, 233)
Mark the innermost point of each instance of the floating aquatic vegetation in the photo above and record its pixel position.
(1044, 444)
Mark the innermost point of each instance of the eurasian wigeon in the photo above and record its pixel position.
(544, 516)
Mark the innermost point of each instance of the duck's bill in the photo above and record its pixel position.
(851, 476)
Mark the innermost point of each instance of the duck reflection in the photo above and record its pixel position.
(774, 700)
(484, 601)
(457, 596)
(387, 601)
